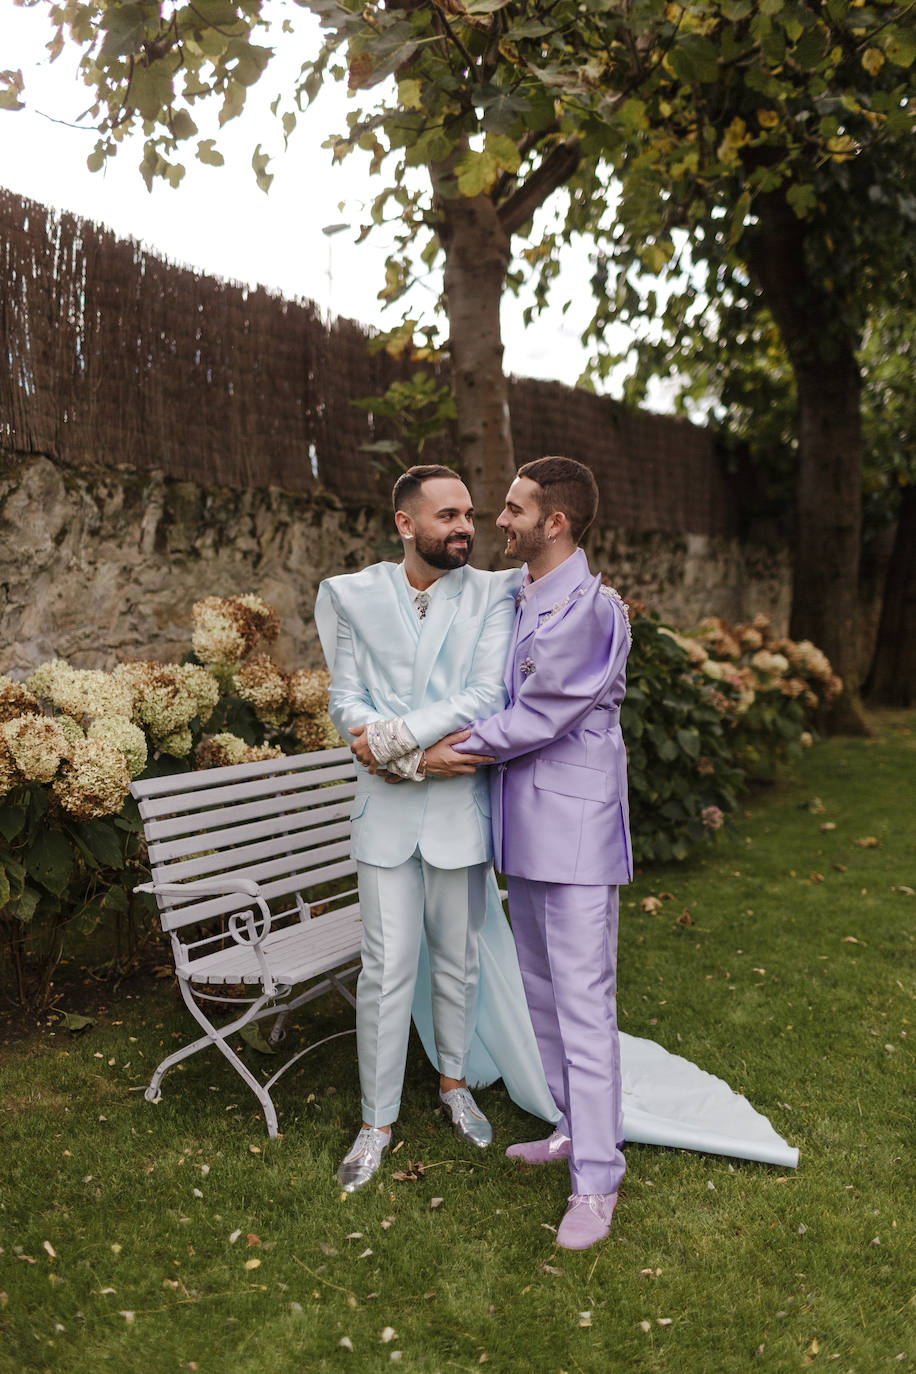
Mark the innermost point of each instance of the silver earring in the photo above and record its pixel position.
(407, 536)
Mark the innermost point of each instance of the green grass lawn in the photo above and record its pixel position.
(144, 1238)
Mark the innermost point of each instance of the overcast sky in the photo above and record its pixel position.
(218, 221)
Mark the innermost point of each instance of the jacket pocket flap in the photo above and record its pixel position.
(572, 780)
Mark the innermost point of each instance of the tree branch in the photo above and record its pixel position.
(556, 169)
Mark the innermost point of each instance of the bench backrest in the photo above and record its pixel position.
(284, 822)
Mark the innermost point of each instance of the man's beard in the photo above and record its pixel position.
(528, 543)
(444, 554)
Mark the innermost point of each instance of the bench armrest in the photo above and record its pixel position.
(242, 926)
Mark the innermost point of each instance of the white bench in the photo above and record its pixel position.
(247, 863)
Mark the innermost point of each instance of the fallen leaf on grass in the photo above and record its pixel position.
(47, 1246)
(252, 1264)
(252, 1239)
(345, 1342)
(129, 1317)
(412, 1174)
(435, 1203)
(550, 1269)
(365, 1254)
(685, 918)
(841, 868)
(234, 1237)
(645, 1326)
(868, 842)
(907, 891)
(254, 1149)
(585, 1318)
(850, 940)
(664, 1321)
(817, 877)
(254, 1036)
(71, 1021)
(650, 905)
(828, 825)
(388, 1335)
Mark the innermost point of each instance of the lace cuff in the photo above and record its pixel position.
(390, 739)
(407, 766)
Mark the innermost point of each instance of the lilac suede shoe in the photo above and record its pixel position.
(587, 1220)
(556, 1146)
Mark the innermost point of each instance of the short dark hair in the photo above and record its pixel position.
(566, 486)
(407, 487)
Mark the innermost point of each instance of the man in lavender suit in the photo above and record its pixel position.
(560, 823)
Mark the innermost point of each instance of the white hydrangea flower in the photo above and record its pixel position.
(81, 692)
(70, 728)
(124, 735)
(36, 745)
(95, 783)
(771, 665)
(226, 628)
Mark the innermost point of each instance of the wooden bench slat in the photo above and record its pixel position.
(291, 823)
(182, 782)
(229, 815)
(175, 917)
(204, 795)
(244, 857)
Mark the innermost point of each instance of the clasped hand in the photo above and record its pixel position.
(441, 759)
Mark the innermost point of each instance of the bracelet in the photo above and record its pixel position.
(421, 767)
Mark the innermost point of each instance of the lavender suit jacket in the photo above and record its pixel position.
(559, 788)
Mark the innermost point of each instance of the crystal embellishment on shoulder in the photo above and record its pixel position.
(613, 594)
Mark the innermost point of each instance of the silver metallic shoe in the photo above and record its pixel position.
(468, 1121)
(362, 1162)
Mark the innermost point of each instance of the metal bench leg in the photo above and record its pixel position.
(218, 1037)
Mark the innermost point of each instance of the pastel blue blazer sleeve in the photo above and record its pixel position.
(349, 702)
(483, 691)
(578, 657)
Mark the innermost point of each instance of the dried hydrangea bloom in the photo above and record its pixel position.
(712, 817)
(713, 668)
(168, 696)
(36, 745)
(70, 728)
(219, 751)
(81, 692)
(716, 634)
(178, 744)
(95, 782)
(264, 686)
(316, 731)
(749, 637)
(124, 735)
(696, 653)
(769, 664)
(10, 775)
(308, 691)
(226, 628)
(16, 700)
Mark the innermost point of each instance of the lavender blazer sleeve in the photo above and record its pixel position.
(559, 790)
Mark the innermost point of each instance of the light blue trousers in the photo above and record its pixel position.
(397, 906)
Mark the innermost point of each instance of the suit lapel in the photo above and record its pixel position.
(443, 608)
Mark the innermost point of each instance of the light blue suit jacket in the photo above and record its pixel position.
(436, 674)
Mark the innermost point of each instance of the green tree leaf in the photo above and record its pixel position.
(49, 860)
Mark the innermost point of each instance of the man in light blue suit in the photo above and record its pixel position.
(415, 650)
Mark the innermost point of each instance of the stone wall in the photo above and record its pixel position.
(97, 566)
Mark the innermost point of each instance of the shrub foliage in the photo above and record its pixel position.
(704, 712)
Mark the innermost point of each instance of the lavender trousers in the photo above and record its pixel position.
(566, 936)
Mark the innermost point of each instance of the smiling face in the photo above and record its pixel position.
(522, 523)
(439, 522)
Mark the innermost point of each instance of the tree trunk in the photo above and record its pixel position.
(822, 353)
(476, 258)
(892, 676)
